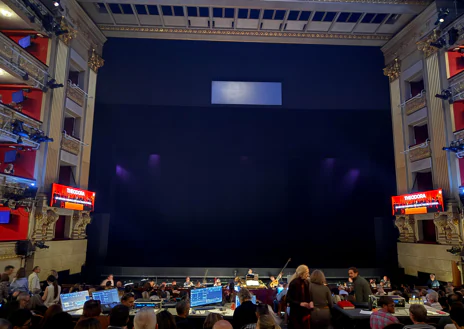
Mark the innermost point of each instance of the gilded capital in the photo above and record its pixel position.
(424, 44)
(71, 34)
(393, 70)
(95, 61)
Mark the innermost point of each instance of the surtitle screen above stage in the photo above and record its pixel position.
(418, 203)
(68, 197)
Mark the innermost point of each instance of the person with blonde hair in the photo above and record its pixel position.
(299, 299)
(322, 300)
(145, 319)
(267, 321)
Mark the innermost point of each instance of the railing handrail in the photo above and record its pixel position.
(16, 112)
(74, 86)
(420, 95)
(417, 146)
(69, 137)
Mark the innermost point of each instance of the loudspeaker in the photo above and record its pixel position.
(24, 248)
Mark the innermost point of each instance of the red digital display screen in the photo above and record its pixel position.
(418, 203)
(68, 197)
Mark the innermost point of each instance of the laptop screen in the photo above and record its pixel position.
(74, 301)
(106, 296)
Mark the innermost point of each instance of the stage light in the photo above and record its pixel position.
(18, 128)
(6, 13)
(53, 85)
(56, 3)
(32, 184)
(2, 72)
(19, 141)
(453, 36)
(445, 95)
(442, 15)
(440, 43)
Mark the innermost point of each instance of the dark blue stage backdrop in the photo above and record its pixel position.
(188, 183)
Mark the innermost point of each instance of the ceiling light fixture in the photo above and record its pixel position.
(6, 13)
(56, 3)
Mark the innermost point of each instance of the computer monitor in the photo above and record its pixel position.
(17, 97)
(237, 300)
(205, 296)
(74, 301)
(5, 216)
(25, 42)
(106, 297)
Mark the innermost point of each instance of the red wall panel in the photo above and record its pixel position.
(455, 62)
(38, 47)
(458, 115)
(17, 228)
(31, 106)
(24, 164)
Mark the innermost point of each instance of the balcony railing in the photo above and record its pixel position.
(70, 144)
(416, 103)
(76, 94)
(17, 60)
(419, 152)
(8, 116)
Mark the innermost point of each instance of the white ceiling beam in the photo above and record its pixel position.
(334, 21)
(348, 6)
(136, 14)
(261, 14)
(282, 28)
(381, 24)
(210, 11)
(109, 12)
(309, 20)
(357, 23)
(160, 12)
(235, 18)
(186, 18)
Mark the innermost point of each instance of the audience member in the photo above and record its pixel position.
(165, 320)
(386, 282)
(145, 319)
(5, 324)
(24, 300)
(4, 286)
(432, 300)
(54, 273)
(92, 309)
(362, 290)
(183, 309)
(19, 283)
(418, 316)
(21, 319)
(51, 311)
(267, 321)
(119, 284)
(384, 316)
(110, 279)
(128, 300)
(246, 312)
(211, 319)
(9, 269)
(119, 317)
(52, 292)
(34, 281)
(457, 316)
(61, 320)
(88, 324)
(322, 300)
(222, 324)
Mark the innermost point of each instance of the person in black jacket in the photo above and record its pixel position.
(362, 289)
(246, 312)
(299, 299)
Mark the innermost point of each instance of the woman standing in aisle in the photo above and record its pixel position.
(322, 299)
(299, 299)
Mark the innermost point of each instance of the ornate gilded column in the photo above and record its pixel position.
(407, 228)
(436, 115)
(447, 226)
(95, 62)
(80, 221)
(56, 115)
(393, 72)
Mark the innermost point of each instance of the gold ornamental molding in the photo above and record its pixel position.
(95, 61)
(244, 33)
(67, 37)
(424, 44)
(393, 70)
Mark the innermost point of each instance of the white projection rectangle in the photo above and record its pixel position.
(246, 93)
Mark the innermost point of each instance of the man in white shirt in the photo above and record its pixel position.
(34, 281)
(110, 279)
